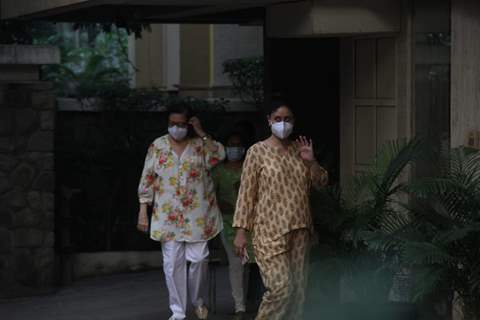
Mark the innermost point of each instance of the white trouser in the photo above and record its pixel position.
(175, 257)
(236, 274)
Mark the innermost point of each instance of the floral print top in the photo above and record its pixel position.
(181, 191)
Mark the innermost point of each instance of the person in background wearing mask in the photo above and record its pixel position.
(273, 204)
(227, 181)
(176, 181)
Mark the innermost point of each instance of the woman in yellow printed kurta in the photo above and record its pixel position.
(273, 204)
(176, 181)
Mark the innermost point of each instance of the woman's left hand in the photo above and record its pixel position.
(306, 149)
(197, 126)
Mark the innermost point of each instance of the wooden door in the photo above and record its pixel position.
(368, 104)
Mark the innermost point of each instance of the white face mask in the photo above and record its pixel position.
(235, 153)
(282, 129)
(177, 133)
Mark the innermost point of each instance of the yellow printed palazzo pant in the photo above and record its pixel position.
(283, 267)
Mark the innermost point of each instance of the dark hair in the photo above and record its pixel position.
(277, 104)
(246, 130)
(179, 108)
(235, 133)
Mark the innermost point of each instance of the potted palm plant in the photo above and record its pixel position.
(441, 240)
(354, 219)
(433, 229)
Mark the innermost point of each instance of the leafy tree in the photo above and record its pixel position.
(247, 76)
(16, 31)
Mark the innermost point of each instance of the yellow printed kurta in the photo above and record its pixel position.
(274, 192)
(181, 191)
(273, 203)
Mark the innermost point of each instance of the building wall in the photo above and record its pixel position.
(149, 57)
(248, 42)
(195, 55)
(332, 18)
(432, 70)
(190, 57)
(465, 89)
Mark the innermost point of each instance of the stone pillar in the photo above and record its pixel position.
(27, 183)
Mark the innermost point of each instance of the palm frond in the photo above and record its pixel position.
(395, 157)
(474, 280)
(455, 234)
(426, 253)
(381, 181)
(428, 280)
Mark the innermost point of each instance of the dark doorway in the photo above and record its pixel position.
(306, 73)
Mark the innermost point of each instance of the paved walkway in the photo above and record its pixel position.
(137, 296)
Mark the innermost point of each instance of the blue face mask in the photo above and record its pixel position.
(235, 153)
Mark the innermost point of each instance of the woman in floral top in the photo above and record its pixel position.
(176, 181)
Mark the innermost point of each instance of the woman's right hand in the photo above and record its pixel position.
(240, 242)
(142, 224)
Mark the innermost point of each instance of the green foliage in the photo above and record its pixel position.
(93, 56)
(431, 226)
(120, 97)
(247, 76)
(447, 211)
(91, 62)
(87, 81)
(364, 220)
(32, 32)
(130, 27)
(24, 32)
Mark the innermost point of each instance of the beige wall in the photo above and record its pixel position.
(465, 74)
(232, 42)
(149, 58)
(333, 17)
(190, 57)
(195, 55)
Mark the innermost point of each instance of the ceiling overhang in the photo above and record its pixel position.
(144, 11)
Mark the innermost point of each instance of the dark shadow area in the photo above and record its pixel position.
(99, 158)
(306, 73)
